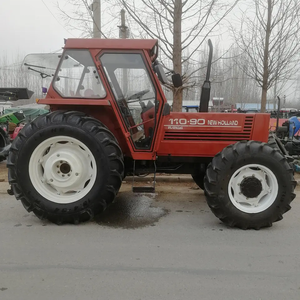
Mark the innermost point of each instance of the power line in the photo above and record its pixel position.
(56, 19)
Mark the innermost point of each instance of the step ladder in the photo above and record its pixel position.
(143, 189)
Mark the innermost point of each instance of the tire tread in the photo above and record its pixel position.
(112, 151)
(225, 160)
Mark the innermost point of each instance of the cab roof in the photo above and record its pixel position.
(115, 44)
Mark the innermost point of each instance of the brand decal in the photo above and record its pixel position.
(180, 123)
(223, 122)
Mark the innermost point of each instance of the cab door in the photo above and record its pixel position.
(134, 93)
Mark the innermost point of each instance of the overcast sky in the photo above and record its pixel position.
(30, 26)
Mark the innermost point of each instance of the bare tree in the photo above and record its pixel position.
(78, 16)
(178, 25)
(181, 26)
(269, 37)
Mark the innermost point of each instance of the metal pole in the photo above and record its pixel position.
(123, 28)
(278, 111)
(96, 19)
(123, 35)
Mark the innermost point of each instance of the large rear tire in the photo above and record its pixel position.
(249, 185)
(65, 167)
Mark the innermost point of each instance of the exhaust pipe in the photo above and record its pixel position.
(205, 92)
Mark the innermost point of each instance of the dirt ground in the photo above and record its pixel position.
(3, 171)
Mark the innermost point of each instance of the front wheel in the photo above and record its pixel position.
(249, 185)
(65, 167)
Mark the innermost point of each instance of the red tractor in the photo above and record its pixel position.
(109, 119)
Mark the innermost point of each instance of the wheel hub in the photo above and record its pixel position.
(251, 187)
(62, 169)
(65, 168)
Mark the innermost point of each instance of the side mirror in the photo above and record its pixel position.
(158, 69)
(177, 80)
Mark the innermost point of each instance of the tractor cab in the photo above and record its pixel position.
(126, 76)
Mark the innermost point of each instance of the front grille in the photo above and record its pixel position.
(248, 124)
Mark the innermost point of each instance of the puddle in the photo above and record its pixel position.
(131, 211)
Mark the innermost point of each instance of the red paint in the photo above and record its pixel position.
(177, 134)
(211, 134)
(16, 131)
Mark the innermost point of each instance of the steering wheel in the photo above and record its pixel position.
(137, 96)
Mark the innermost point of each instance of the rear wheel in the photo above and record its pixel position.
(249, 185)
(65, 167)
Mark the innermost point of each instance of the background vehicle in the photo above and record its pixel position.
(10, 123)
(285, 132)
(68, 165)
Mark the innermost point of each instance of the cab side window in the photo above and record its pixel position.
(78, 76)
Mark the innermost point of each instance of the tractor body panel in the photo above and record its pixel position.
(206, 134)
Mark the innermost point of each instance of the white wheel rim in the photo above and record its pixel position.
(62, 169)
(264, 193)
